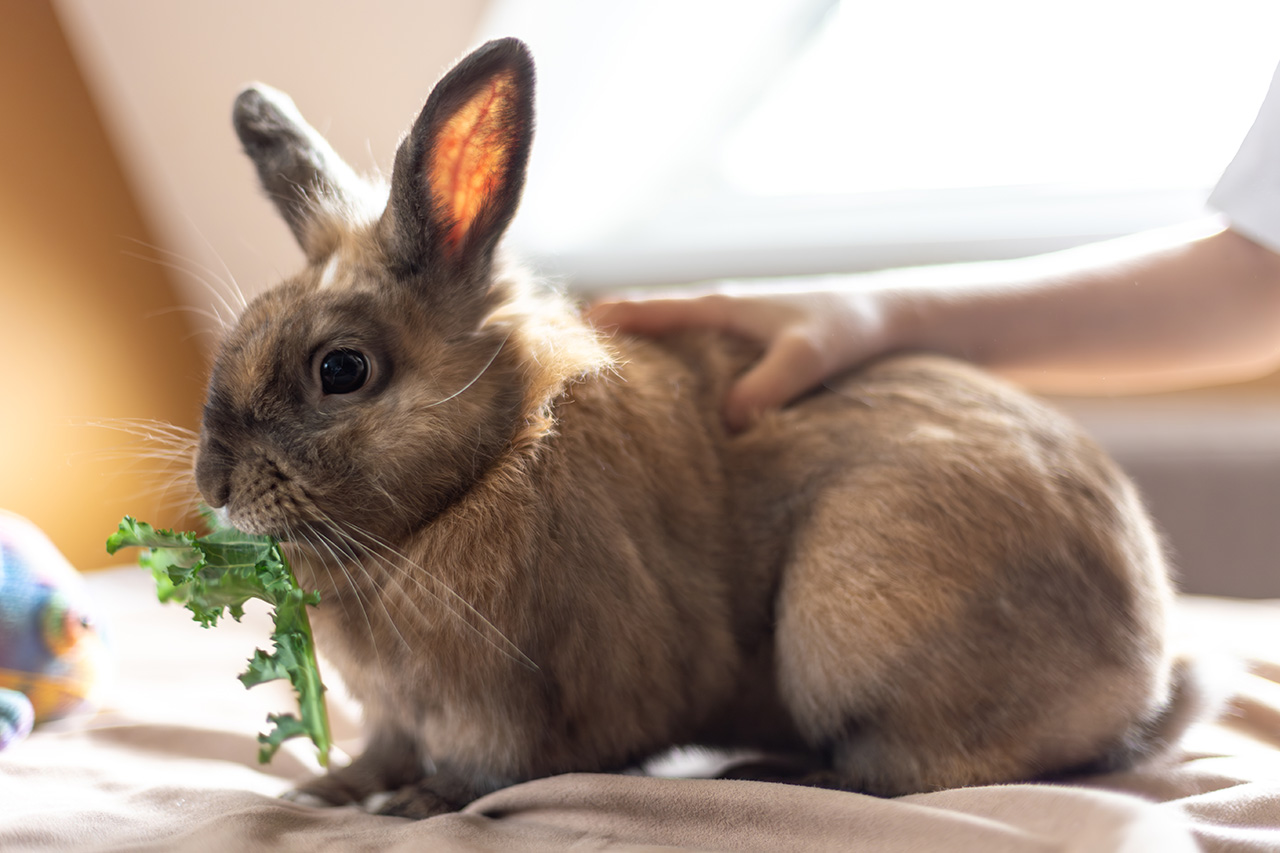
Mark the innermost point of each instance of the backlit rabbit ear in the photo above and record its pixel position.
(458, 176)
(300, 171)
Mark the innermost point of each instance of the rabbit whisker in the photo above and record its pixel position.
(229, 281)
(345, 547)
(195, 276)
(475, 378)
(334, 558)
(402, 565)
(202, 273)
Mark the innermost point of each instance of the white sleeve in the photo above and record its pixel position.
(1248, 192)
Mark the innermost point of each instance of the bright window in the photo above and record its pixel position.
(1091, 94)
(699, 138)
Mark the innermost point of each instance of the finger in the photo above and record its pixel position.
(757, 320)
(792, 365)
(655, 316)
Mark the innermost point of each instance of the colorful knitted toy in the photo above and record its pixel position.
(52, 657)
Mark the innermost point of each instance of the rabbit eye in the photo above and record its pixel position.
(343, 371)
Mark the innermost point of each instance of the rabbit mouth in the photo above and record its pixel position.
(268, 517)
(290, 515)
(261, 498)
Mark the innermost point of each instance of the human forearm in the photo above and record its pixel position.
(1185, 306)
(1192, 305)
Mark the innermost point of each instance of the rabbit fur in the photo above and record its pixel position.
(539, 550)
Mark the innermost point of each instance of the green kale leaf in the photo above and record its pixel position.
(218, 573)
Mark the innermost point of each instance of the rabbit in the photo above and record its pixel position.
(539, 550)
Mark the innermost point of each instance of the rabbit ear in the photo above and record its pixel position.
(458, 175)
(299, 170)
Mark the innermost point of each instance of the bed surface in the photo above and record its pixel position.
(169, 763)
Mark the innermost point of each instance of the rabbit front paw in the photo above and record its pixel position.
(417, 801)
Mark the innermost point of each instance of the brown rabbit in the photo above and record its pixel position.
(539, 550)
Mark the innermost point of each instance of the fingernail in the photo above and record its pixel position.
(735, 419)
(598, 315)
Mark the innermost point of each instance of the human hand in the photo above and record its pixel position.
(808, 336)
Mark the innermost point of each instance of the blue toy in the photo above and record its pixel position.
(52, 657)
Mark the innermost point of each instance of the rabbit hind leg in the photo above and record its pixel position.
(860, 663)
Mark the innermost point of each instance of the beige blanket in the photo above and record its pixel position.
(169, 764)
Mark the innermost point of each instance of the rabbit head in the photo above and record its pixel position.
(362, 395)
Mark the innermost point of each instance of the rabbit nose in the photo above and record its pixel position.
(216, 493)
(213, 478)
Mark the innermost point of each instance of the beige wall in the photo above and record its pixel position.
(84, 336)
(165, 72)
